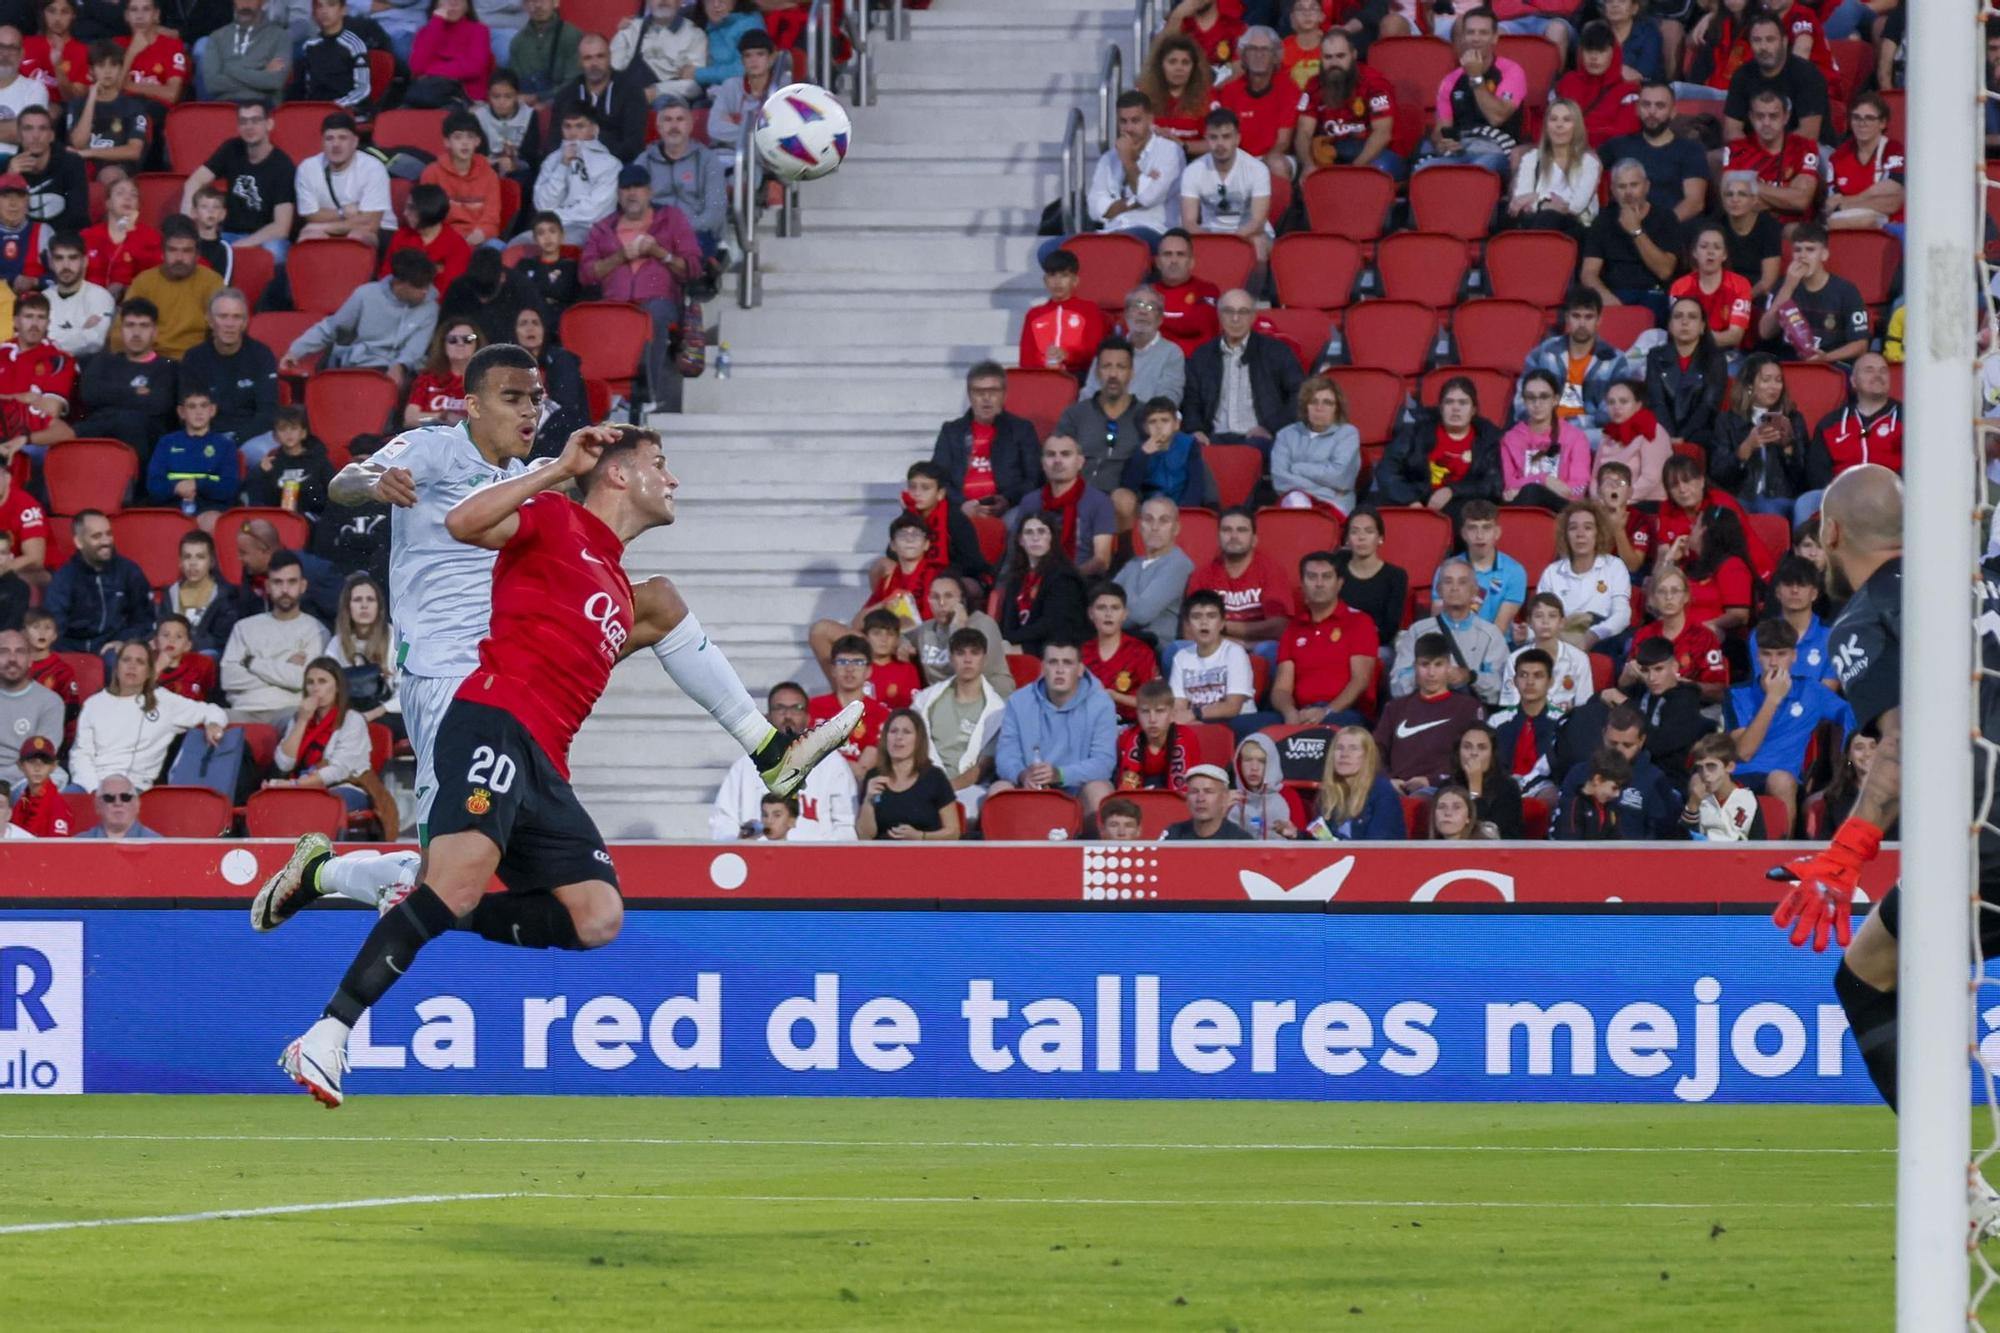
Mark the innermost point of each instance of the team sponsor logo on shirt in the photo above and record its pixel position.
(479, 802)
(1850, 660)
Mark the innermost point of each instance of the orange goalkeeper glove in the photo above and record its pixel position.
(1822, 898)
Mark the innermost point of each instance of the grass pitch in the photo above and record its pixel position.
(853, 1214)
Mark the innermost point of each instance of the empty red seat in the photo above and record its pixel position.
(1353, 202)
(251, 269)
(1532, 266)
(1816, 389)
(279, 329)
(324, 273)
(89, 474)
(1455, 201)
(194, 130)
(1040, 396)
(1287, 536)
(1416, 539)
(1869, 260)
(89, 669)
(1236, 468)
(151, 539)
(1198, 537)
(1306, 331)
(610, 338)
(1497, 334)
(1025, 668)
(159, 194)
(1623, 325)
(288, 812)
(1538, 59)
(295, 127)
(411, 127)
(1109, 265)
(1425, 267)
(1029, 816)
(1529, 535)
(186, 812)
(1159, 808)
(1374, 400)
(1315, 270)
(1223, 259)
(1391, 335)
(342, 404)
(1415, 65)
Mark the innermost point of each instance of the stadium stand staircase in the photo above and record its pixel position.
(915, 262)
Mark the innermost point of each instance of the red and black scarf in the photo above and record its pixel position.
(1067, 506)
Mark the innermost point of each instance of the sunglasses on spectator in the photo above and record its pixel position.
(117, 797)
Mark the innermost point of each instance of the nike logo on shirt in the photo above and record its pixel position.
(1404, 730)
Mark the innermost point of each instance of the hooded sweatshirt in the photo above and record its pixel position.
(661, 48)
(582, 191)
(1079, 737)
(1256, 810)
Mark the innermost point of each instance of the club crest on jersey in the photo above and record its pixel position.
(479, 802)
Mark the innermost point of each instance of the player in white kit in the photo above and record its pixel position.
(441, 601)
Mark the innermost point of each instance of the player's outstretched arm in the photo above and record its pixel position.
(490, 516)
(1821, 902)
(362, 482)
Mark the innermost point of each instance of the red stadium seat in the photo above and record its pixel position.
(89, 474)
(1777, 828)
(609, 337)
(1600, 670)
(1395, 336)
(1538, 59)
(342, 404)
(194, 130)
(1817, 389)
(1352, 202)
(1774, 530)
(1855, 59)
(260, 739)
(151, 539)
(1025, 668)
(510, 201)
(186, 812)
(1417, 817)
(1426, 267)
(1492, 390)
(1374, 400)
(1214, 743)
(1535, 816)
(250, 272)
(1306, 332)
(1281, 198)
(1030, 816)
(1198, 537)
(1899, 120)
(1497, 334)
(1532, 266)
(1040, 396)
(287, 812)
(1529, 535)
(1110, 264)
(279, 329)
(600, 16)
(1622, 325)
(1315, 271)
(159, 194)
(1260, 672)
(992, 534)
(1157, 809)
(399, 194)
(1224, 260)
(1417, 540)
(62, 543)
(411, 127)
(1237, 468)
(1286, 536)
(89, 669)
(1455, 201)
(381, 73)
(295, 127)
(1415, 65)
(597, 399)
(1869, 260)
(324, 273)
(82, 811)
(292, 530)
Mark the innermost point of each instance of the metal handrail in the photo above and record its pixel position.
(899, 22)
(1075, 172)
(750, 285)
(856, 24)
(1145, 22)
(819, 43)
(1110, 83)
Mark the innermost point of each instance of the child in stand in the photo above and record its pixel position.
(211, 206)
(193, 467)
(294, 475)
(1119, 820)
(39, 807)
(178, 666)
(1718, 810)
(1258, 805)
(50, 671)
(1595, 815)
(549, 273)
(1063, 332)
(1154, 754)
(892, 679)
(1570, 681)
(1121, 663)
(1167, 463)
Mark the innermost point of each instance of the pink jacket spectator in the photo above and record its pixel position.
(461, 51)
(1572, 465)
(650, 279)
(1512, 84)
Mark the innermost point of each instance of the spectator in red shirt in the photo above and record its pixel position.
(990, 457)
(1154, 754)
(1213, 25)
(1697, 652)
(1256, 594)
(893, 681)
(438, 396)
(1688, 495)
(50, 671)
(156, 64)
(24, 534)
(1120, 662)
(1867, 187)
(1786, 165)
(1602, 85)
(1348, 116)
(1716, 559)
(1722, 293)
(954, 541)
(1806, 37)
(1266, 105)
(1188, 317)
(1063, 332)
(427, 227)
(1631, 527)
(1868, 428)
(1443, 457)
(849, 674)
(1327, 656)
(39, 807)
(122, 246)
(180, 668)
(1176, 81)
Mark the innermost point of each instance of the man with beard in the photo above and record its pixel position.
(1676, 167)
(1266, 106)
(1352, 114)
(264, 663)
(1188, 315)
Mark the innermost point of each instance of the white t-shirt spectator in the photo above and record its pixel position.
(1225, 200)
(363, 184)
(17, 97)
(1602, 592)
(1572, 684)
(1209, 680)
(1160, 163)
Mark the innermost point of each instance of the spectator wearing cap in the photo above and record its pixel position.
(687, 175)
(664, 47)
(23, 241)
(333, 62)
(1159, 366)
(454, 46)
(1243, 386)
(130, 395)
(644, 255)
(179, 287)
(341, 191)
(616, 100)
(39, 806)
(384, 325)
(250, 60)
(738, 96)
(470, 184)
(580, 181)
(543, 53)
(1208, 789)
(117, 801)
(991, 458)
(427, 229)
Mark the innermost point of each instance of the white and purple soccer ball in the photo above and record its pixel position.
(804, 132)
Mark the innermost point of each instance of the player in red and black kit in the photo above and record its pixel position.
(564, 613)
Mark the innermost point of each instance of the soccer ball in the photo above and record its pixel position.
(804, 133)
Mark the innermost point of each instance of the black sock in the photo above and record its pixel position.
(1871, 1015)
(771, 751)
(388, 952)
(538, 921)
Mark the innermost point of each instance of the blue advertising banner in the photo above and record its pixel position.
(1397, 1007)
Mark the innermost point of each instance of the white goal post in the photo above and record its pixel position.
(1943, 472)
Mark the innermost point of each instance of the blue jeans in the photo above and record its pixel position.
(1055, 243)
(1388, 162)
(1699, 92)
(278, 246)
(252, 450)
(1471, 153)
(1846, 19)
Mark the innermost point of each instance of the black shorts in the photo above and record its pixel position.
(1891, 910)
(493, 778)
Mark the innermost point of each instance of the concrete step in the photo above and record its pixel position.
(982, 190)
(943, 395)
(970, 324)
(990, 155)
(988, 258)
(939, 119)
(831, 213)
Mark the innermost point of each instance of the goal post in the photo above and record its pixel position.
(1941, 546)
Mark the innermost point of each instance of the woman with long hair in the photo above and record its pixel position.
(365, 645)
(1356, 800)
(1634, 436)
(1719, 45)
(327, 741)
(56, 58)
(437, 398)
(1722, 583)
(426, 226)
(127, 727)
(1368, 583)
(1555, 187)
(562, 380)
(1641, 44)
(907, 798)
(1041, 594)
(1839, 797)
(1759, 453)
(1544, 459)
(726, 22)
(1454, 818)
(1316, 459)
(1492, 795)
(1176, 81)
(1442, 457)
(1722, 293)
(1589, 579)
(1687, 376)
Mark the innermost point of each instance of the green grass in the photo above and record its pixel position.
(957, 1215)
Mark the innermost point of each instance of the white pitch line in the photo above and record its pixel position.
(229, 1214)
(999, 1145)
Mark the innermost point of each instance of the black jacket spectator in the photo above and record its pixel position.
(1777, 474)
(1403, 477)
(1674, 722)
(335, 69)
(211, 629)
(620, 110)
(1548, 730)
(1016, 455)
(555, 287)
(128, 400)
(244, 386)
(1649, 807)
(94, 607)
(494, 295)
(1275, 378)
(1057, 611)
(1798, 81)
(562, 379)
(1500, 806)
(1686, 402)
(59, 194)
(312, 470)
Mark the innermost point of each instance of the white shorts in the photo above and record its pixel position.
(424, 700)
